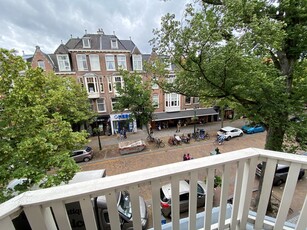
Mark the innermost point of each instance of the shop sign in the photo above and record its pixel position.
(121, 116)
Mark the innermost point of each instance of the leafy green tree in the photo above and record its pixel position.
(36, 137)
(135, 95)
(251, 53)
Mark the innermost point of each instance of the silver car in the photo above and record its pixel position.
(184, 193)
(84, 154)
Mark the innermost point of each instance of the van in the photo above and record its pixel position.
(99, 206)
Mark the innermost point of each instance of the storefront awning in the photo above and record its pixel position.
(184, 114)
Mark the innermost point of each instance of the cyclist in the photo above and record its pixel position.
(220, 139)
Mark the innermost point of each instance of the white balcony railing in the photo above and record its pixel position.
(241, 164)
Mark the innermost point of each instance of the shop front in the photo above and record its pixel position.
(120, 121)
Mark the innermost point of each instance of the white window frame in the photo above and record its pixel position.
(86, 42)
(137, 62)
(122, 61)
(101, 86)
(154, 84)
(110, 61)
(41, 64)
(118, 80)
(93, 81)
(101, 101)
(195, 100)
(171, 78)
(113, 102)
(110, 85)
(155, 100)
(63, 62)
(94, 61)
(172, 100)
(82, 62)
(114, 43)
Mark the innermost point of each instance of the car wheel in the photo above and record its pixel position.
(241, 134)
(228, 138)
(86, 159)
(279, 182)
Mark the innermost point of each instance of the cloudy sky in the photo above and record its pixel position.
(27, 23)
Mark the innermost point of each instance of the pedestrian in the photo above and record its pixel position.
(124, 133)
(188, 156)
(184, 157)
(178, 127)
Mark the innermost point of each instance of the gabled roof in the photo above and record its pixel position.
(62, 49)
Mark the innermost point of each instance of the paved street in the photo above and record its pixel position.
(110, 159)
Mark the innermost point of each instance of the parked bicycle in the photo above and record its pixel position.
(200, 134)
(159, 143)
(150, 138)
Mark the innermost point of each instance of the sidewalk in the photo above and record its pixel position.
(211, 127)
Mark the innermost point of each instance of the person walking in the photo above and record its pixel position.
(178, 127)
(188, 156)
(184, 157)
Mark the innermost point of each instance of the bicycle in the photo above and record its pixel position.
(150, 138)
(219, 140)
(159, 143)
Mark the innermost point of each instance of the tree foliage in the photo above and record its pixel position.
(248, 52)
(36, 137)
(135, 95)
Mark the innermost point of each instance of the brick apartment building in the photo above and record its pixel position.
(94, 61)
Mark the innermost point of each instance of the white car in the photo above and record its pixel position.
(230, 132)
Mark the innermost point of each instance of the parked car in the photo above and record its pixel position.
(281, 173)
(184, 193)
(249, 129)
(84, 154)
(230, 132)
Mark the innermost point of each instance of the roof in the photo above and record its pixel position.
(228, 128)
(183, 114)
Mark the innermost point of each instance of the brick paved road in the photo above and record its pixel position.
(110, 159)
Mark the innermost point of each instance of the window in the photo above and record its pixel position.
(86, 43)
(63, 62)
(155, 100)
(113, 102)
(81, 62)
(172, 100)
(121, 62)
(101, 85)
(91, 104)
(91, 83)
(81, 81)
(154, 82)
(195, 100)
(101, 105)
(110, 63)
(118, 82)
(188, 100)
(94, 60)
(137, 62)
(114, 44)
(41, 64)
(171, 78)
(110, 86)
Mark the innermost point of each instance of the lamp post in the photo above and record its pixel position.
(194, 118)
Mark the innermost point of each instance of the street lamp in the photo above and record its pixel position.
(194, 118)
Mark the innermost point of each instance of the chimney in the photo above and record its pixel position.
(100, 31)
(113, 32)
(85, 31)
(37, 47)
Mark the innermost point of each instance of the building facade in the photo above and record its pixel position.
(94, 60)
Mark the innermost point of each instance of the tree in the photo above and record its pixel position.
(36, 137)
(135, 95)
(249, 52)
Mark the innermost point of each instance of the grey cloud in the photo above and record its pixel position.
(27, 23)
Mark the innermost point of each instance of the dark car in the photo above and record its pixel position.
(184, 193)
(84, 154)
(281, 173)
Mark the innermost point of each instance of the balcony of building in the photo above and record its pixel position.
(45, 208)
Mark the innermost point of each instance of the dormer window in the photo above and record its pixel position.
(86, 42)
(114, 44)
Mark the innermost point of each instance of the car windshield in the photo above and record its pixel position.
(124, 205)
(223, 131)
